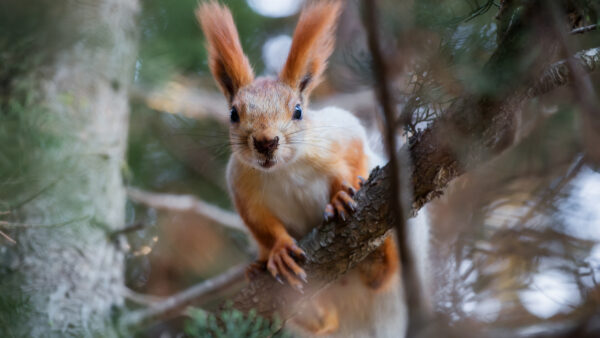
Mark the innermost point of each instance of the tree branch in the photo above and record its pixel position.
(418, 313)
(174, 304)
(559, 73)
(188, 203)
(584, 29)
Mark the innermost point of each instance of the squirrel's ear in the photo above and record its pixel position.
(312, 44)
(227, 62)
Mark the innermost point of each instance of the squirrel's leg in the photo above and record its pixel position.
(347, 180)
(377, 270)
(278, 250)
(319, 317)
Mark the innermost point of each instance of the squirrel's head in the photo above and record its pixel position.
(267, 121)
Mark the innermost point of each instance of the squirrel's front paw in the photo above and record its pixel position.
(341, 204)
(283, 262)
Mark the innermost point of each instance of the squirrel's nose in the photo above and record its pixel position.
(266, 146)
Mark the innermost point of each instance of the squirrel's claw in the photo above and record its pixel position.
(282, 262)
(341, 204)
(348, 188)
(329, 213)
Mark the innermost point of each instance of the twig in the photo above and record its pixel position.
(417, 311)
(553, 192)
(130, 228)
(180, 97)
(558, 74)
(172, 305)
(141, 298)
(8, 238)
(183, 99)
(583, 29)
(187, 203)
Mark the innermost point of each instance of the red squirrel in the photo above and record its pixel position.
(291, 166)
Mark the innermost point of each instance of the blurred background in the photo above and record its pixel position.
(515, 242)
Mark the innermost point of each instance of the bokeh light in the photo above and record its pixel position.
(275, 8)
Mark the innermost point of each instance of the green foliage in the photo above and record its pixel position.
(234, 324)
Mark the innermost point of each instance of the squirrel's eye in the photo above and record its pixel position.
(297, 113)
(235, 117)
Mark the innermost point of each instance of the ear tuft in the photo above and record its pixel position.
(312, 44)
(227, 61)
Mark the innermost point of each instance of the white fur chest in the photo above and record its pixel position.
(297, 196)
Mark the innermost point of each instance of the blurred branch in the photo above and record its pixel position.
(187, 203)
(418, 311)
(129, 228)
(548, 196)
(7, 237)
(184, 99)
(141, 298)
(193, 102)
(172, 305)
(559, 74)
(583, 29)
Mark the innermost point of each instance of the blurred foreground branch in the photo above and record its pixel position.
(187, 203)
(180, 301)
(183, 99)
(560, 73)
(334, 248)
(418, 311)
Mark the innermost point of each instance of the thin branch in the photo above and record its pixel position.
(173, 305)
(8, 238)
(584, 29)
(417, 311)
(183, 98)
(559, 73)
(553, 192)
(187, 203)
(128, 229)
(140, 298)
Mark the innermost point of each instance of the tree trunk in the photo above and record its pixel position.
(63, 132)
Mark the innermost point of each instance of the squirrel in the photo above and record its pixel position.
(291, 167)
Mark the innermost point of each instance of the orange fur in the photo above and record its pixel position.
(354, 161)
(265, 228)
(312, 44)
(228, 63)
(377, 270)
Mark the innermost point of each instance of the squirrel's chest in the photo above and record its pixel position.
(297, 197)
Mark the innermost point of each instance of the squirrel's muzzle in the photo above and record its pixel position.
(266, 146)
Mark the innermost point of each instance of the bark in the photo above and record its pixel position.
(66, 112)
